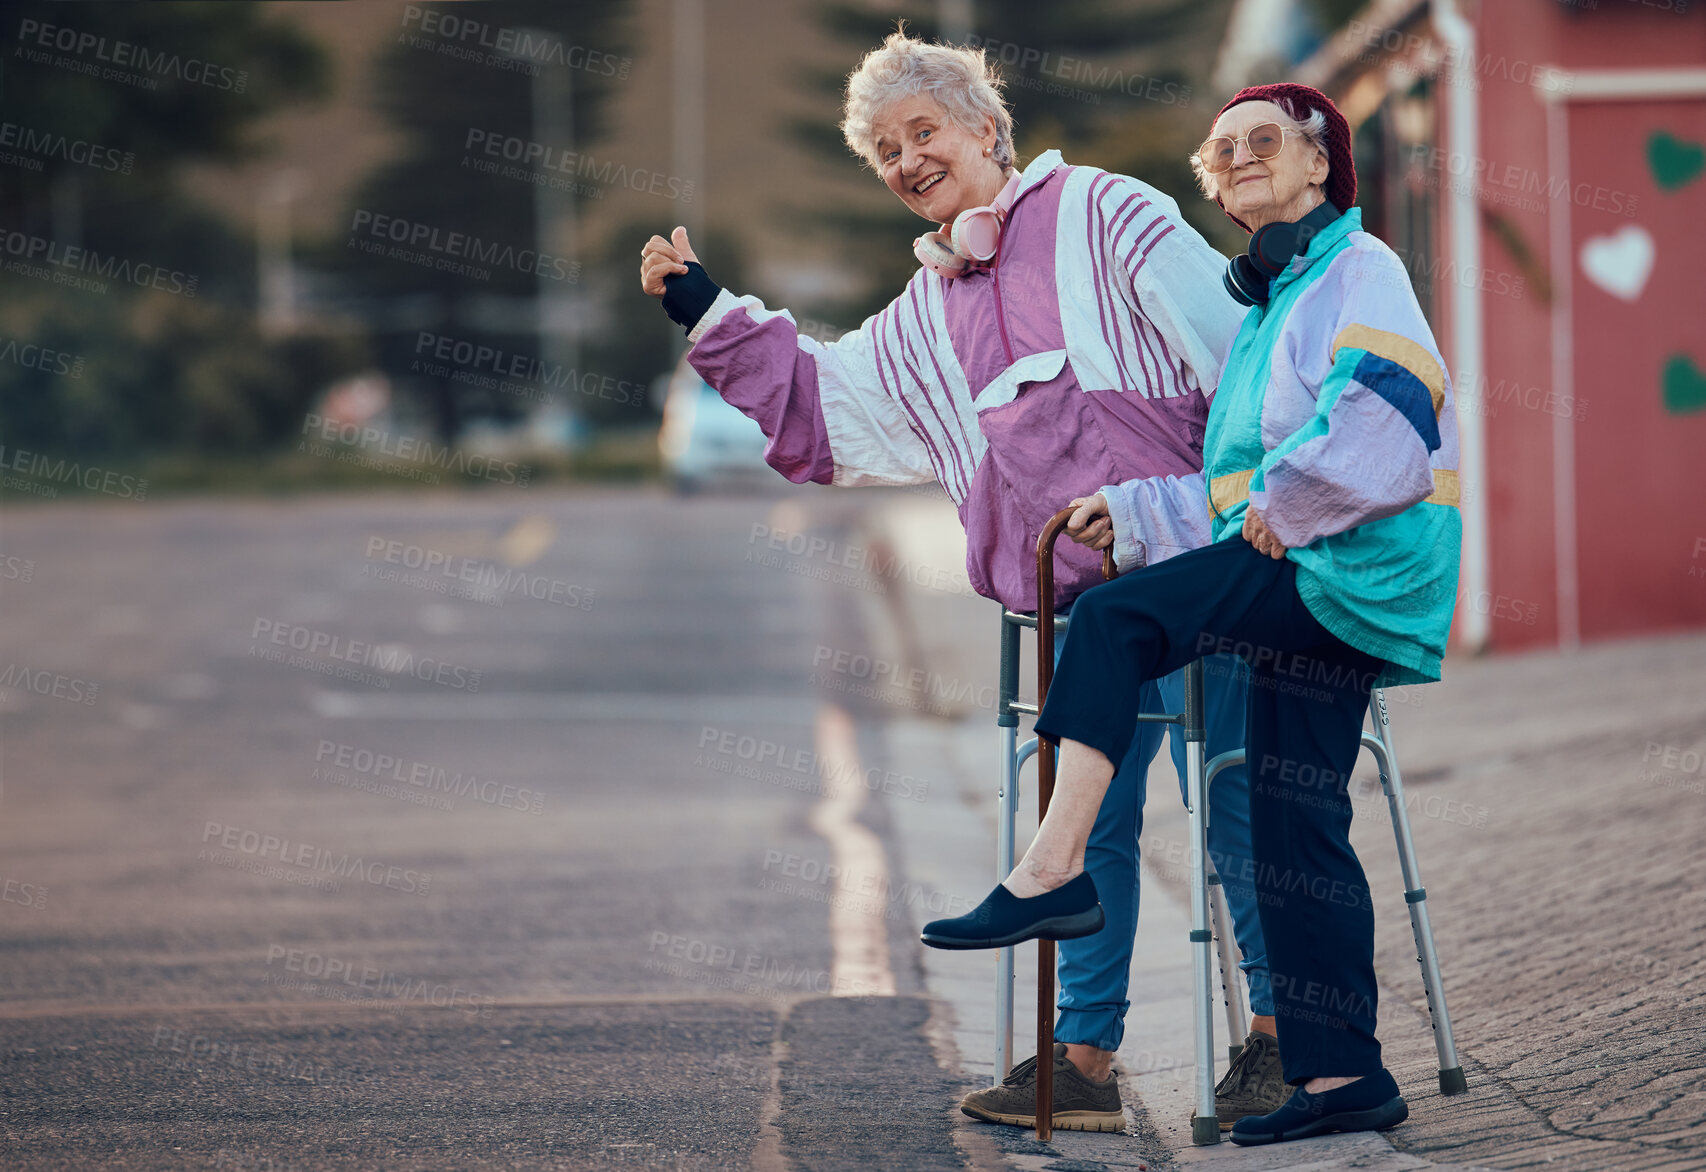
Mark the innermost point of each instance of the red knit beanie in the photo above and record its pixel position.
(1298, 101)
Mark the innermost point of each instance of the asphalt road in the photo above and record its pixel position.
(326, 845)
(315, 856)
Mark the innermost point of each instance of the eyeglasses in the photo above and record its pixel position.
(1265, 142)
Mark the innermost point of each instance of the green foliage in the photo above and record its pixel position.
(156, 373)
(137, 207)
(1334, 14)
(154, 370)
(435, 100)
(258, 64)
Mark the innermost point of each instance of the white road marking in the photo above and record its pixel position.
(861, 966)
(642, 707)
(788, 516)
(440, 618)
(530, 537)
(767, 1154)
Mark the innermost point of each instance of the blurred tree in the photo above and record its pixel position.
(207, 74)
(1333, 14)
(104, 105)
(1110, 83)
(453, 94)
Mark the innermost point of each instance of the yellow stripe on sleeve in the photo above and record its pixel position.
(1406, 352)
(1226, 491)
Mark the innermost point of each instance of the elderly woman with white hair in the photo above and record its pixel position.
(1331, 459)
(1058, 344)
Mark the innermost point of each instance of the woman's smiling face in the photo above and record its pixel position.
(1261, 191)
(937, 168)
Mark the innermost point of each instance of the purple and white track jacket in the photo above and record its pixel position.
(1082, 362)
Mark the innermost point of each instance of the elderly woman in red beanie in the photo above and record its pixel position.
(1331, 462)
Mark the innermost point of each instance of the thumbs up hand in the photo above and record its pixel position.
(679, 239)
(661, 258)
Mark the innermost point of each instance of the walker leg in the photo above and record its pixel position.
(1205, 1127)
(1046, 762)
(1007, 808)
(1451, 1080)
(1231, 988)
(1045, 1040)
(1006, 811)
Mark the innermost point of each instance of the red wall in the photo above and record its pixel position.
(1641, 454)
(1640, 469)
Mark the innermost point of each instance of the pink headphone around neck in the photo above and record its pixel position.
(971, 242)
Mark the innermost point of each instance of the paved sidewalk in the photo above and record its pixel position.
(1156, 1061)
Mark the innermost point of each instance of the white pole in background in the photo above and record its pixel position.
(687, 151)
(276, 272)
(687, 123)
(553, 96)
(1564, 549)
(956, 20)
(1464, 217)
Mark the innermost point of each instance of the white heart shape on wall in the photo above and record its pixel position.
(1621, 262)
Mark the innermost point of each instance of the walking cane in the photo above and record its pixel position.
(1045, 790)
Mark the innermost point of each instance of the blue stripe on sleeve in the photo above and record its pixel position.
(1407, 394)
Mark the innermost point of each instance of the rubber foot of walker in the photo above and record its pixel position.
(1451, 1081)
(1232, 1052)
(1205, 1129)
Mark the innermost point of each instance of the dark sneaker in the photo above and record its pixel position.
(1080, 1103)
(1253, 1084)
(1369, 1104)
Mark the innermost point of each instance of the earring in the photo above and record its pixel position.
(986, 151)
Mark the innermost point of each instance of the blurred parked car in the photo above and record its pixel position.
(705, 441)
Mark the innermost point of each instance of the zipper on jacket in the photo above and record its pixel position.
(1001, 318)
(995, 271)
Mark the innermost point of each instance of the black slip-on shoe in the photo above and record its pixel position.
(1003, 919)
(1369, 1104)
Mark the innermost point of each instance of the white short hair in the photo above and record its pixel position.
(960, 80)
(1313, 129)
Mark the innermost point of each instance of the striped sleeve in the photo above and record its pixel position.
(833, 413)
(1367, 451)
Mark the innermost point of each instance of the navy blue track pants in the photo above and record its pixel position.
(1308, 694)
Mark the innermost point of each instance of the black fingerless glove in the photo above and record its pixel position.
(688, 295)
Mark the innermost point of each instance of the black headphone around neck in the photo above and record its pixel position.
(1271, 249)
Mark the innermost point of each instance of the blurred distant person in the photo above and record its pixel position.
(1058, 345)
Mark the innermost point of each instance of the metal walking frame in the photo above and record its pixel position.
(1209, 919)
